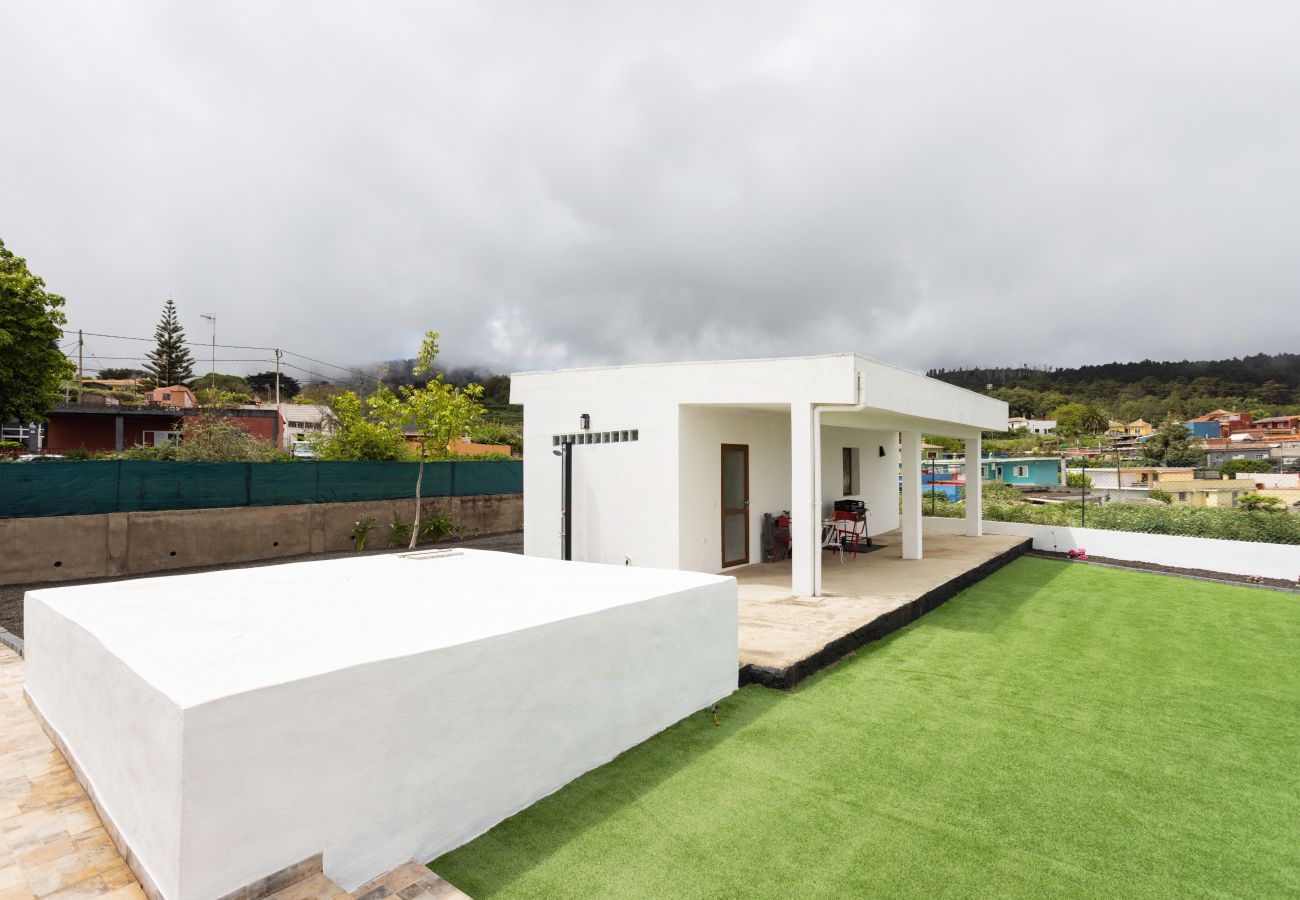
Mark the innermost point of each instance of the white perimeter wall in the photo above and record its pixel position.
(382, 762)
(1233, 557)
(98, 705)
(1270, 479)
(878, 487)
(703, 431)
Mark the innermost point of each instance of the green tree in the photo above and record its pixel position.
(359, 429)
(115, 374)
(1172, 445)
(32, 368)
(263, 385)
(1232, 466)
(1260, 502)
(436, 414)
(169, 361)
(1079, 419)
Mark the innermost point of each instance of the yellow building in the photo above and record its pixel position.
(1204, 492)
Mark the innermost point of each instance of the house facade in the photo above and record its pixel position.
(1034, 426)
(675, 465)
(108, 428)
(1026, 470)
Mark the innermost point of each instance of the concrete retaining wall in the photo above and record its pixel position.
(65, 548)
(1210, 554)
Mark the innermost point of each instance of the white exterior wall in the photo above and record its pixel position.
(703, 430)
(1270, 479)
(476, 684)
(640, 501)
(100, 707)
(624, 494)
(1233, 557)
(878, 487)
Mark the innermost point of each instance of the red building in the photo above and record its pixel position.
(107, 428)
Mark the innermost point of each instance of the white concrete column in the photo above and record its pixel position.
(805, 518)
(974, 488)
(911, 511)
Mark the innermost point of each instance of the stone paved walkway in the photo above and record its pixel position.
(52, 843)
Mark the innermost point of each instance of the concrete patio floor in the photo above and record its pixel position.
(784, 638)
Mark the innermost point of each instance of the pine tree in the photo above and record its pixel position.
(169, 362)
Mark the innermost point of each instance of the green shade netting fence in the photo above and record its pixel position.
(101, 486)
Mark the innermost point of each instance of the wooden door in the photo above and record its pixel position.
(735, 504)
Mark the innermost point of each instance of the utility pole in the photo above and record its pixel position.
(279, 422)
(213, 371)
(81, 371)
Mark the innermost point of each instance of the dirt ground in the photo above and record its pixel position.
(11, 596)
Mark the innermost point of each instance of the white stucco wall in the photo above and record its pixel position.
(1233, 557)
(640, 502)
(124, 733)
(703, 431)
(879, 474)
(290, 724)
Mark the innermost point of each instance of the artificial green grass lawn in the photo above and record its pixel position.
(1057, 729)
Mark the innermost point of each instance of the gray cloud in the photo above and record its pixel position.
(565, 183)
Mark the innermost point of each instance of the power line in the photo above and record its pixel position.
(319, 362)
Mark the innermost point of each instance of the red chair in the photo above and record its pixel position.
(850, 529)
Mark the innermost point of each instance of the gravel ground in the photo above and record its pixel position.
(11, 596)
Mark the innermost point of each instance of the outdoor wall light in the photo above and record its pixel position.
(585, 420)
(882, 449)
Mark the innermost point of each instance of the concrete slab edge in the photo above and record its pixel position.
(12, 641)
(882, 626)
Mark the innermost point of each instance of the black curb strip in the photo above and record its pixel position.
(1171, 572)
(787, 678)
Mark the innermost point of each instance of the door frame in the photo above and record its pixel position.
(722, 505)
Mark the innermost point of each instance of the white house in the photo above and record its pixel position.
(1034, 426)
(674, 465)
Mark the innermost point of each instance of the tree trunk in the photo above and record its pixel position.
(419, 480)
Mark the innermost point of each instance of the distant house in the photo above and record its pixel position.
(177, 395)
(108, 428)
(1239, 446)
(1137, 428)
(1219, 423)
(1035, 426)
(1138, 476)
(1041, 471)
(112, 384)
(1279, 423)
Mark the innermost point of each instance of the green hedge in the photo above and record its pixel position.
(1189, 521)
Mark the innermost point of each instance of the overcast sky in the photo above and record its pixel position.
(551, 184)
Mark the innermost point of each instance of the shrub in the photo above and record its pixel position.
(400, 534)
(361, 533)
(1078, 480)
(1232, 466)
(1162, 496)
(435, 528)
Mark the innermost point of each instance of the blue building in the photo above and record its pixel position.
(1042, 471)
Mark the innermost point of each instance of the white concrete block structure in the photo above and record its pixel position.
(675, 464)
(374, 710)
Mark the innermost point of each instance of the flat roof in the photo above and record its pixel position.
(208, 635)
